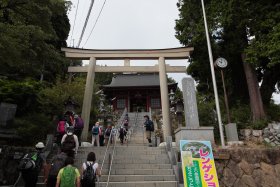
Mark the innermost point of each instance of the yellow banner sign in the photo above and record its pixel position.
(198, 164)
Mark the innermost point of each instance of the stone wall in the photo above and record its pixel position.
(269, 135)
(9, 159)
(248, 167)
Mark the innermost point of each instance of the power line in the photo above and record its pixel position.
(85, 24)
(95, 23)
(74, 21)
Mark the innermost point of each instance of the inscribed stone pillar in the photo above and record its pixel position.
(88, 97)
(190, 104)
(164, 98)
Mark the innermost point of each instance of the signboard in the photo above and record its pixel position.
(198, 164)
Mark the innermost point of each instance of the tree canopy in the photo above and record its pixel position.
(32, 33)
(237, 28)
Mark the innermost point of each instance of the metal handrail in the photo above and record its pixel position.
(17, 181)
(111, 162)
(109, 140)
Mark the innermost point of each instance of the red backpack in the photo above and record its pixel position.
(61, 127)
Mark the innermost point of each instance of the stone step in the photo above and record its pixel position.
(127, 178)
(132, 157)
(141, 184)
(143, 152)
(121, 148)
(128, 184)
(141, 166)
(137, 171)
(131, 161)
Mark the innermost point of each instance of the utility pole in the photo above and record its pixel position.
(213, 77)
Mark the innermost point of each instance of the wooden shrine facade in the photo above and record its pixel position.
(136, 92)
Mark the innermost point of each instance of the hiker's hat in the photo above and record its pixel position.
(40, 145)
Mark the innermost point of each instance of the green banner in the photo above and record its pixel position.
(193, 175)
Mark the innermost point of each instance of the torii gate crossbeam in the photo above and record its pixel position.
(136, 54)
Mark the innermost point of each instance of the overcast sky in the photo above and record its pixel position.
(128, 24)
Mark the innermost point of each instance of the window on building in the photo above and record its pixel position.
(120, 103)
(155, 103)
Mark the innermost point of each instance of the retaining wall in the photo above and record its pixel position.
(248, 167)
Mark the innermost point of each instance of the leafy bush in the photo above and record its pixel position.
(258, 125)
(23, 93)
(34, 128)
(241, 115)
(52, 98)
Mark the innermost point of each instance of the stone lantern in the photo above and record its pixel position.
(179, 112)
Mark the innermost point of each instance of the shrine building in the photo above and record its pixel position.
(136, 92)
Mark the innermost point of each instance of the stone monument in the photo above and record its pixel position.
(8, 112)
(192, 131)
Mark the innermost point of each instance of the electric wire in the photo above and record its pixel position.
(85, 24)
(95, 22)
(74, 21)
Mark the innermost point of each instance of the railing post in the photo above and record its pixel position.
(168, 140)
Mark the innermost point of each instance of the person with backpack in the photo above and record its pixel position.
(61, 129)
(69, 116)
(79, 126)
(126, 124)
(69, 142)
(102, 135)
(31, 165)
(68, 176)
(89, 171)
(57, 162)
(122, 134)
(149, 125)
(95, 134)
(126, 117)
(107, 134)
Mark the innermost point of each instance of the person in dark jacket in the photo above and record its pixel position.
(30, 177)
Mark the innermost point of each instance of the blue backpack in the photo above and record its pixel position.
(95, 130)
(151, 124)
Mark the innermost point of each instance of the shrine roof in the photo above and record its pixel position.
(135, 80)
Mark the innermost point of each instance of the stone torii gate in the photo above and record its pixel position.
(127, 55)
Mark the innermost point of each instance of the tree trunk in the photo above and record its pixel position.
(254, 92)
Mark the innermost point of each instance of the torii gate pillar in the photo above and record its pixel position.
(88, 97)
(164, 98)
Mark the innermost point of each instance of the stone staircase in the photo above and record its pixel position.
(134, 164)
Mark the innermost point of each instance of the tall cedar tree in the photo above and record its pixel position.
(237, 29)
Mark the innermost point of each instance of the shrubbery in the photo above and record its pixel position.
(34, 128)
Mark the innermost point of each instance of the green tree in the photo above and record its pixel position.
(52, 98)
(236, 27)
(32, 33)
(23, 93)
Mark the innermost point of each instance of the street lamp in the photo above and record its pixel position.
(213, 77)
